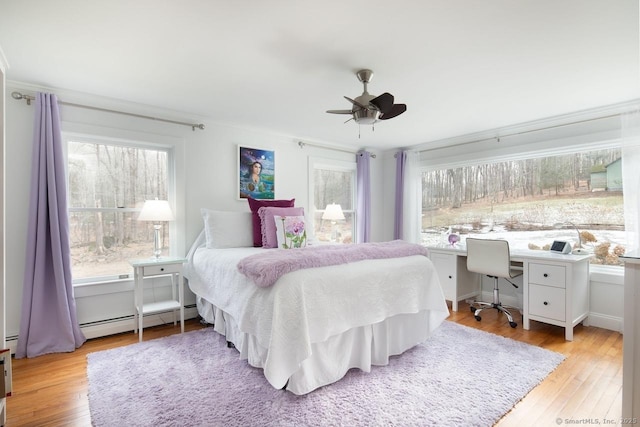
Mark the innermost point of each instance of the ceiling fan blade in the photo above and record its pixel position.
(396, 110)
(354, 102)
(384, 102)
(339, 111)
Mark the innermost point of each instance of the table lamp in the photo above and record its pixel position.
(333, 213)
(156, 211)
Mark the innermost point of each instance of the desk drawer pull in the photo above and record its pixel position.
(545, 303)
(161, 268)
(545, 275)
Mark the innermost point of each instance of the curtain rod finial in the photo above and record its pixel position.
(19, 96)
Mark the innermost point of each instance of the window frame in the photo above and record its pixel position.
(535, 151)
(141, 141)
(338, 166)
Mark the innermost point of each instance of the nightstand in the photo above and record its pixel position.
(154, 267)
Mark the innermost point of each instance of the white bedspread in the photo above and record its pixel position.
(309, 306)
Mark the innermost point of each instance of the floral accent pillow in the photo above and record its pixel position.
(266, 214)
(290, 231)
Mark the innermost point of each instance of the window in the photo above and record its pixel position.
(531, 202)
(333, 182)
(108, 183)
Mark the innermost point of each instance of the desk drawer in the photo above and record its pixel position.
(547, 301)
(154, 270)
(548, 275)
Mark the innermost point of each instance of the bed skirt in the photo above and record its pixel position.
(359, 347)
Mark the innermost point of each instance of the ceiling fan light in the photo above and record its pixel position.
(366, 116)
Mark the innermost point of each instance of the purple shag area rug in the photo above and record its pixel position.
(459, 377)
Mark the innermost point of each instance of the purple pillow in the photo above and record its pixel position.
(254, 205)
(268, 224)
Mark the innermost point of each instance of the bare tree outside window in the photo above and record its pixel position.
(525, 200)
(108, 185)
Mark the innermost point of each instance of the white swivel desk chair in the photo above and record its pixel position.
(491, 258)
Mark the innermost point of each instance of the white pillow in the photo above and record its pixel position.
(291, 231)
(227, 229)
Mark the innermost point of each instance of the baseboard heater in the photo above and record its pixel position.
(116, 325)
(125, 318)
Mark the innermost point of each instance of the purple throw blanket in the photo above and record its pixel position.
(266, 268)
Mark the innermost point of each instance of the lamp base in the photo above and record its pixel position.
(580, 251)
(157, 246)
(334, 232)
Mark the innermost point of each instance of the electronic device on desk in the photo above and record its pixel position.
(560, 247)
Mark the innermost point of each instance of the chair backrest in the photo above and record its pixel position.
(489, 256)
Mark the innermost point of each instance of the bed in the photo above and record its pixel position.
(312, 325)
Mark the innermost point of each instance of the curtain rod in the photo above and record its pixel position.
(497, 138)
(302, 144)
(29, 98)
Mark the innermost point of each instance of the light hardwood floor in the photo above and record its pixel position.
(585, 389)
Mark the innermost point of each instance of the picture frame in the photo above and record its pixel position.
(256, 173)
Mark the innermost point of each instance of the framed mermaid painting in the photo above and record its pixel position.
(256, 173)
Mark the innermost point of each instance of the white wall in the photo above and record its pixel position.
(207, 172)
(212, 170)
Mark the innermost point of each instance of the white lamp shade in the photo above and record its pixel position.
(156, 210)
(333, 212)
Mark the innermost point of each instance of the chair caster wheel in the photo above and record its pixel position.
(478, 318)
(513, 324)
(472, 309)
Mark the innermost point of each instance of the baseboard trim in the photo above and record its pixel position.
(605, 322)
(118, 326)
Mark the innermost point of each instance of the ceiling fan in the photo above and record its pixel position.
(368, 109)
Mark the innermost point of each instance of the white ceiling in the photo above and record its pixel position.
(461, 66)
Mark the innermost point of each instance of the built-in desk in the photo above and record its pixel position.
(555, 286)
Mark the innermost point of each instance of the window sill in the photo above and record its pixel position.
(115, 286)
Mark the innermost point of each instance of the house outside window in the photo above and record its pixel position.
(531, 202)
(108, 183)
(333, 183)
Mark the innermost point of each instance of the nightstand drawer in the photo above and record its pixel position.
(547, 301)
(549, 275)
(155, 270)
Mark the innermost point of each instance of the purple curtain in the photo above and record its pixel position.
(363, 224)
(401, 163)
(48, 322)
